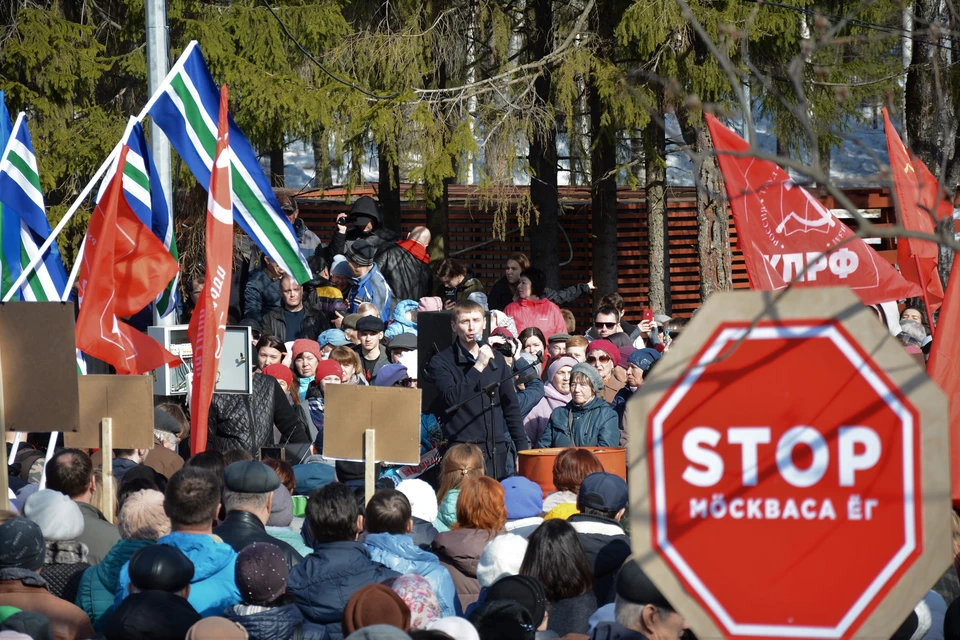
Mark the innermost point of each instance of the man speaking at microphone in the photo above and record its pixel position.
(461, 372)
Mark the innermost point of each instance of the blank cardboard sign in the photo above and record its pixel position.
(393, 412)
(38, 363)
(128, 400)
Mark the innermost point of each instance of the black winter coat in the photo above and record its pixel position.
(380, 238)
(457, 380)
(607, 548)
(242, 528)
(312, 324)
(241, 421)
(151, 615)
(408, 277)
(500, 295)
(277, 623)
(261, 296)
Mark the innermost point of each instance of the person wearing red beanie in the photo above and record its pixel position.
(604, 356)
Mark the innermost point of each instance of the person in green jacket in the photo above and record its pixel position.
(141, 522)
(460, 463)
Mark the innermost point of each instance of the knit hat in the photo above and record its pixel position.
(523, 497)
(456, 628)
(430, 303)
(391, 374)
(142, 516)
(560, 363)
(281, 511)
(361, 253)
(625, 351)
(423, 499)
(526, 590)
(644, 358)
(421, 600)
(605, 345)
(59, 517)
(503, 619)
(375, 604)
(261, 573)
(562, 511)
(501, 557)
(280, 372)
(340, 266)
(524, 361)
(219, 628)
(160, 567)
(21, 545)
(378, 632)
(163, 421)
(328, 367)
(305, 346)
(592, 375)
(332, 337)
(480, 298)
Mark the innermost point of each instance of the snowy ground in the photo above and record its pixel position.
(853, 165)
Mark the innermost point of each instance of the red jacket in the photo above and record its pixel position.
(541, 313)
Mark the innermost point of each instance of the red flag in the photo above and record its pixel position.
(209, 320)
(944, 367)
(124, 268)
(780, 225)
(917, 200)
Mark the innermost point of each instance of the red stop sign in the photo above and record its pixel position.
(783, 470)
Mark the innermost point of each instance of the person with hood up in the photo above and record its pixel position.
(339, 565)
(61, 523)
(22, 553)
(141, 522)
(364, 222)
(191, 501)
(587, 420)
(267, 610)
(406, 265)
(404, 319)
(157, 608)
(388, 523)
(556, 393)
(481, 516)
(423, 510)
(532, 309)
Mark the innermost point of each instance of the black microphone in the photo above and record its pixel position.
(482, 343)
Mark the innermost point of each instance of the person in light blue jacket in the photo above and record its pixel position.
(404, 319)
(191, 501)
(388, 522)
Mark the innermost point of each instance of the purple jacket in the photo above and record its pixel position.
(538, 419)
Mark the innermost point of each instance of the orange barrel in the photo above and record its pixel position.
(537, 464)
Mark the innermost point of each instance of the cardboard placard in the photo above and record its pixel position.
(127, 400)
(393, 412)
(38, 356)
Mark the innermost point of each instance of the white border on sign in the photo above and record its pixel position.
(831, 333)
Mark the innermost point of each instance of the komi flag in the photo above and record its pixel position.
(187, 112)
(141, 186)
(24, 221)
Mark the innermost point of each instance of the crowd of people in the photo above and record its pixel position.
(261, 536)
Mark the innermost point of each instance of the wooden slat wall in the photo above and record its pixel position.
(470, 226)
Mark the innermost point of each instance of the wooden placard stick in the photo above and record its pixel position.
(369, 463)
(106, 450)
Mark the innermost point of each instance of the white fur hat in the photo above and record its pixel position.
(423, 499)
(58, 517)
(500, 558)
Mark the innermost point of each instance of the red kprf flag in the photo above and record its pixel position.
(944, 367)
(209, 321)
(918, 259)
(124, 269)
(780, 225)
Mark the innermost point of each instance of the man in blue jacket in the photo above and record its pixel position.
(460, 372)
(324, 581)
(369, 284)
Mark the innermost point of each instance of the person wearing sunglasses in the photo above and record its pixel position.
(606, 326)
(604, 356)
(587, 420)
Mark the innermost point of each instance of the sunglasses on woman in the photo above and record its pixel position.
(602, 359)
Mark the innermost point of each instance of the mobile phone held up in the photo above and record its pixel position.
(648, 315)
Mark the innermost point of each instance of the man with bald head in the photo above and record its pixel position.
(293, 319)
(406, 266)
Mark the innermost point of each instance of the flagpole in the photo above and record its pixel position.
(37, 259)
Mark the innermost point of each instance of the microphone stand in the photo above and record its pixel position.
(493, 390)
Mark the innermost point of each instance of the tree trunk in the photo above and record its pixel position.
(713, 223)
(276, 166)
(438, 222)
(323, 172)
(658, 244)
(544, 229)
(389, 192)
